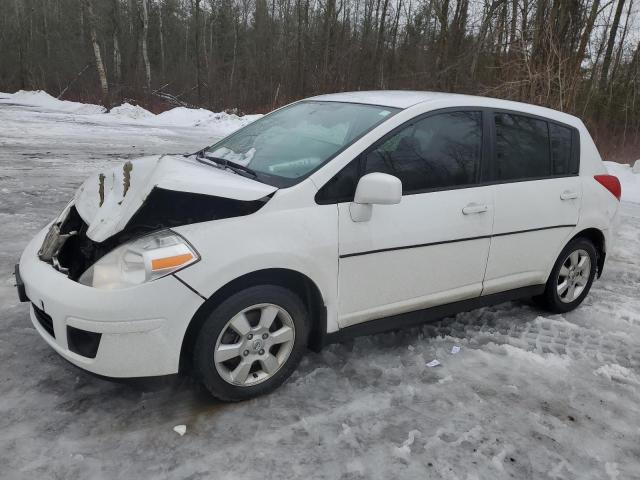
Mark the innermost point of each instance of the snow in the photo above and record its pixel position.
(617, 373)
(126, 111)
(222, 123)
(529, 395)
(201, 117)
(43, 100)
(629, 180)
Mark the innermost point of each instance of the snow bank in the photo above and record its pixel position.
(184, 116)
(223, 123)
(130, 112)
(200, 117)
(41, 99)
(630, 181)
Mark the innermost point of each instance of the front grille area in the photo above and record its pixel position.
(44, 320)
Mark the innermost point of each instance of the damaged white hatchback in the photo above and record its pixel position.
(337, 215)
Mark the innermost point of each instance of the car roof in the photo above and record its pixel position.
(407, 98)
(385, 98)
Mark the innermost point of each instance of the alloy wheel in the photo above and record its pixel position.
(254, 344)
(573, 276)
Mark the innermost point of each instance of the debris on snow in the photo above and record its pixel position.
(180, 429)
(403, 452)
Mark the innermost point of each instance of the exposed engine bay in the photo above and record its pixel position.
(68, 248)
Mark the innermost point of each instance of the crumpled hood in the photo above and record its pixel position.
(107, 201)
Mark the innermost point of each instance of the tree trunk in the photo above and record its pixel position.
(144, 17)
(233, 61)
(197, 28)
(102, 74)
(586, 35)
(606, 63)
(483, 32)
(616, 63)
(161, 33)
(117, 57)
(378, 56)
(45, 26)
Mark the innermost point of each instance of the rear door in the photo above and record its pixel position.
(537, 195)
(432, 247)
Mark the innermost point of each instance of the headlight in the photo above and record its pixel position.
(142, 260)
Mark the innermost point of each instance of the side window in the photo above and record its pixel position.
(439, 151)
(522, 147)
(561, 138)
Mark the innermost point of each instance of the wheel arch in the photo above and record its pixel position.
(293, 280)
(596, 236)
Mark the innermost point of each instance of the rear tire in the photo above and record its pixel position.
(571, 277)
(251, 343)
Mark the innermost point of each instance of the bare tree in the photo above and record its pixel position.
(604, 76)
(102, 73)
(161, 37)
(143, 11)
(117, 57)
(252, 55)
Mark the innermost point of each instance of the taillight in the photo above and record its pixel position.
(611, 183)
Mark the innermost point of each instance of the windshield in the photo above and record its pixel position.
(283, 147)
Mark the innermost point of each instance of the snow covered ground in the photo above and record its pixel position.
(529, 395)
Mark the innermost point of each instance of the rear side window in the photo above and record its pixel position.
(561, 144)
(436, 152)
(522, 147)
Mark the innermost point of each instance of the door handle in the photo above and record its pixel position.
(568, 195)
(474, 208)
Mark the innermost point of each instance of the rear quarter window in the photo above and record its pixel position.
(561, 150)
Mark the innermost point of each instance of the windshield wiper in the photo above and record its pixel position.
(223, 162)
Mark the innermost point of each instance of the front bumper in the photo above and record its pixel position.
(141, 327)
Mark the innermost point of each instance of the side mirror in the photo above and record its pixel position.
(374, 189)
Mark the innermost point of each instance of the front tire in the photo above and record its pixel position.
(251, 343)
(571, 277)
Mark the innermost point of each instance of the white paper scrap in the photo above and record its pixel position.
(180, 429)
(455, 349)
(433, 363)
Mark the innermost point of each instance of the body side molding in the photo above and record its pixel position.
(466, 239)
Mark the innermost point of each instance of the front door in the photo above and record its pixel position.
(432, 247)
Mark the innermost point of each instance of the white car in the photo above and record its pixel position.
(334, 216)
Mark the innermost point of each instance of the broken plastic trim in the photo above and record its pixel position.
(162, 209)
(168, 208)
